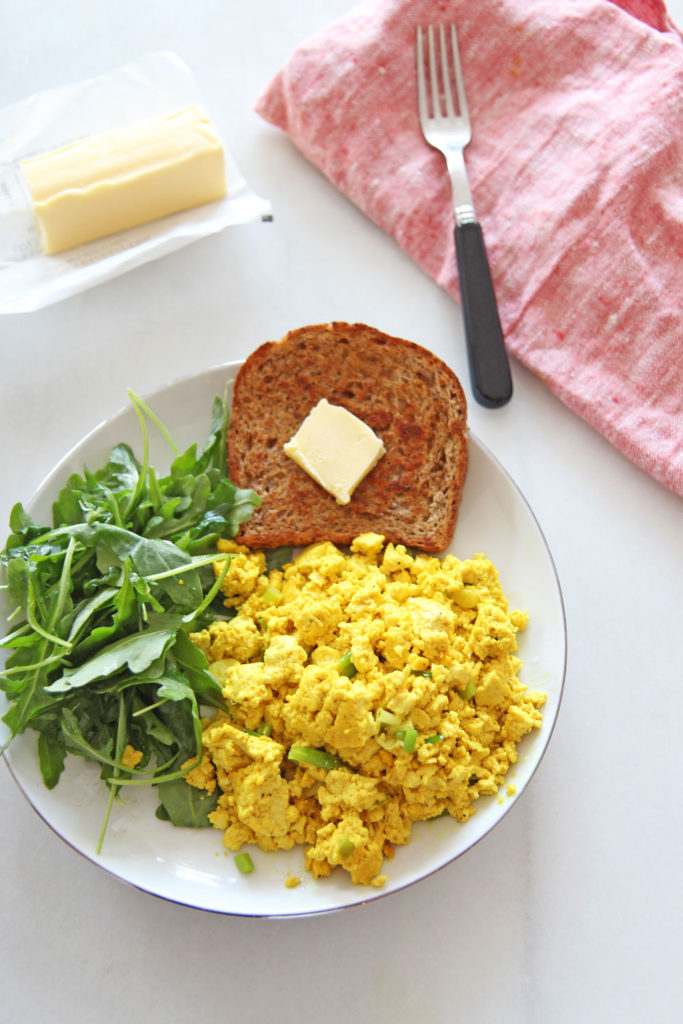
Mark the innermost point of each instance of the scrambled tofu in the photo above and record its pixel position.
(368, 691)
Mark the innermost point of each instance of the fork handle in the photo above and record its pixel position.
(488, 361)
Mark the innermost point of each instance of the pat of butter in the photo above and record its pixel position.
(115, 181)
(335, 448)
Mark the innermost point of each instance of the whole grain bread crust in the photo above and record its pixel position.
(411, 399)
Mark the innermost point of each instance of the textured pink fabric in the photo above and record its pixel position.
(576, 171)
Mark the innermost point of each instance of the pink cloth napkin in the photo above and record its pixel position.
(576, 171)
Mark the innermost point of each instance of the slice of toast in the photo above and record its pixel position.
(405, 393)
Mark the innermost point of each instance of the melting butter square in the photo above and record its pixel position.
(335, 448)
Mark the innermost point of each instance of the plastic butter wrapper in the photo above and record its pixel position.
(152, 87)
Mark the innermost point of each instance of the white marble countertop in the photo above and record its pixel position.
(570, 910)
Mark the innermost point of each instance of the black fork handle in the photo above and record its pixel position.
(488, 361)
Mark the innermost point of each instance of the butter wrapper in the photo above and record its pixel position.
(153, 86)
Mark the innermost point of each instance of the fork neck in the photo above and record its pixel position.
(462, 197)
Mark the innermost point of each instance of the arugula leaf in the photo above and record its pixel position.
(135, 652)
(122, 471)
(195, 667)
(89, 607)
(186, 806)
(17, 570)
(159, 560)
(51, 752)
(278, 557)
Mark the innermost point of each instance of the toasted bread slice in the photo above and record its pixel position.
(409, 397)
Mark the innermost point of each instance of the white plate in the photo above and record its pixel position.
(192, 867)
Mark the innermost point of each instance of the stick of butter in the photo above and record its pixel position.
(335, 448)
(115, 181)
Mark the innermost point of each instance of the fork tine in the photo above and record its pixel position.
(433, 73)
(459, 83)
(421, 85)
(445, 74)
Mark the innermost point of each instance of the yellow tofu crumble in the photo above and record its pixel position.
(398, 671)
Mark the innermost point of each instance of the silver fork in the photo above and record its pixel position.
(447, 128)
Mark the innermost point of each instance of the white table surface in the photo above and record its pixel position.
(570, 910)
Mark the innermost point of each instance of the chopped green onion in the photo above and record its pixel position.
(469, 690)
(309, 755)
(244, 863)
(419, 672)
(346, 848)
(409, 739)
(262, 729)
(271, 596)
(434, 739)
(346, 666)
(387, 720)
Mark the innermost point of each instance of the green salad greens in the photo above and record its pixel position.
(102, 604)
